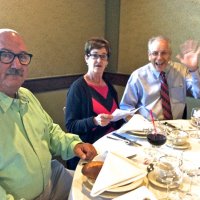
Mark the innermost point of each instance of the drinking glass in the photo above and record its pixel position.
(190, 170)
(195, 116)
(168, 172)
(195, 119)
(156, 138)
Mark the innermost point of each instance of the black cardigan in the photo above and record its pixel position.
(79, 112)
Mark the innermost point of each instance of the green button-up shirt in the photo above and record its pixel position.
(28, 138)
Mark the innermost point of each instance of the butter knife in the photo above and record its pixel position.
(124, 138)
(170, 125)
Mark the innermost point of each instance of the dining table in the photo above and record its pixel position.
(139, 154)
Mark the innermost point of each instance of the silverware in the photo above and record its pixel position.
(177, 128)
(132, 156)
(130, 142)
(127, 142)
(170, 125)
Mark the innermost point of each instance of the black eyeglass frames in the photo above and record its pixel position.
(7, 57)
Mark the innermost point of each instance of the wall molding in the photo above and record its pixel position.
(47, 84)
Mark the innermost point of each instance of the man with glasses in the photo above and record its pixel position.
(144, 89)
(28, 135)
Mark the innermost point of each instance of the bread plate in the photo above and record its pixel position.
(185, 146)
(152, 179)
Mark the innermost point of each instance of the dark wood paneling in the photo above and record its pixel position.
(63, 82)
(50, 83)
(117, 78)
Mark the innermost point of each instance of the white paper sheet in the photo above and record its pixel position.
(136, 123)
(120, 114)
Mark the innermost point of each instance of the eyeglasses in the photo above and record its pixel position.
(162, 53)
(7, 57)
(97, 56)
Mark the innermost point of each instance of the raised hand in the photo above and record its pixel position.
(189, 54)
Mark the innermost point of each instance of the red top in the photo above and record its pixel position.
(102, 101)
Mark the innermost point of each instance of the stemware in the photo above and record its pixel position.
(190, 170)
(195, 120)
(168, 172)
(156, 138)
(195, 116)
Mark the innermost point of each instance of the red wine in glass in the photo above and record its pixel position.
(156, 139)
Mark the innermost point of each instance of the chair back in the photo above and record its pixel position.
(64, 110)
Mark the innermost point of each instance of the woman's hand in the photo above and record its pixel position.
(102, 119)
(189, 54)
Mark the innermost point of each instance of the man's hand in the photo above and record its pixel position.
(85, 151)
(189, 54)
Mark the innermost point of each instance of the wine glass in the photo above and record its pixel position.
(195, 119)
(168, 172)
(156, 137)
(190, 170)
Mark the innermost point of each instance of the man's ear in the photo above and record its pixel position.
(149, 58)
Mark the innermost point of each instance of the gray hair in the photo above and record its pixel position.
(160, 37)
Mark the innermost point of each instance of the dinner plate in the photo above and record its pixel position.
(123, 188)
(107, 194)
(185, 146)
(152, 179)
(141, 134)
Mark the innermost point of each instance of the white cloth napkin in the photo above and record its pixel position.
(117, 146)
(116, 171)
(136, 123)
(138, 194)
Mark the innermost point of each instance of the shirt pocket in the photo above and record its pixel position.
(178, 94)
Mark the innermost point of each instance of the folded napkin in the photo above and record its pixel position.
(138, 194)
(116, 171)
(136, 123)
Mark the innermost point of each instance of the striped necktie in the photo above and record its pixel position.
(164, 94)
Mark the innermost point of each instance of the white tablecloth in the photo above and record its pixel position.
(79, 192)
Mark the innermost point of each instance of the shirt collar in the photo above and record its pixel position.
(6, 101)
(156, 73)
